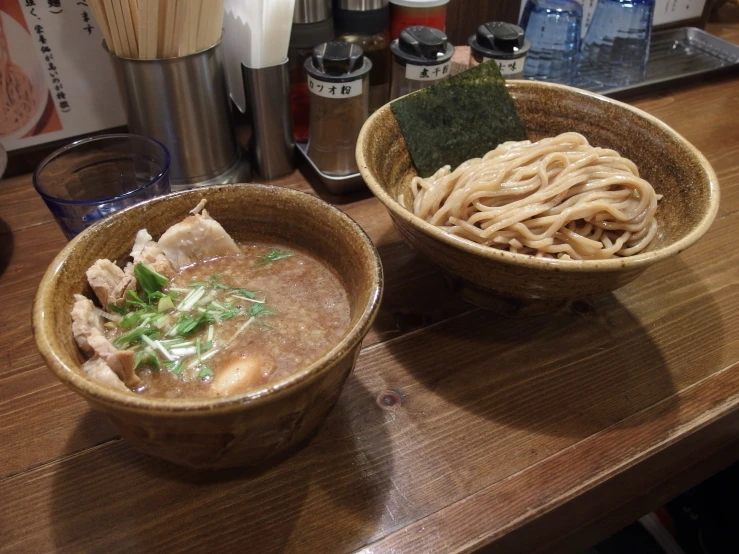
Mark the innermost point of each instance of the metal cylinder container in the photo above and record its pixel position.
(338, 81)
(182, 102)
(267, 93)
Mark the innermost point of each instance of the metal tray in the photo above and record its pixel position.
(338, 185)
(677, 54)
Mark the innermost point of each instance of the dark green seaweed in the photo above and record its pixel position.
(460, 118)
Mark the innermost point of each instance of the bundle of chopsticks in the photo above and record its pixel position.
(149, 29)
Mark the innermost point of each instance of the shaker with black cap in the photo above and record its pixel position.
(313, 24)
(338, 82)
(503, 43)
(422, 56)
(366, 23)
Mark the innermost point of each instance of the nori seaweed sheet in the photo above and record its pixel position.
(457, 119)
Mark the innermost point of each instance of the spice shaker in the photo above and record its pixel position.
(422, 56)
(503, 43)
(338, 81)
(366, 23)
(313, 24)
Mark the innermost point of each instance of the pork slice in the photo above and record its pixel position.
(98, 370)
(198, 237)
(109, 282)
(85, 321)
(120, 361)
(148, 252)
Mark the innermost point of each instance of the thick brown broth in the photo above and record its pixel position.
(307, 312)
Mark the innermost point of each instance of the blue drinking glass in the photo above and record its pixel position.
(553, 28)
(615, 49)
(93, 177)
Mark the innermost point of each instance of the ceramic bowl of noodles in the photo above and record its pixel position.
(526, 229)
(215, 327)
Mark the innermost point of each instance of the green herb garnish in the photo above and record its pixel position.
(149, 280)
(143, 357)
(205, 372)
(120, 310)
(272, 256)
(174, 366)
(134, 336)
(260, 309)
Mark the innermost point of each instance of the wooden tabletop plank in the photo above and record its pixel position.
(622, 375)
(458, 429)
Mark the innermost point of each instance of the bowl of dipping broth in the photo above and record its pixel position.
(223, 333)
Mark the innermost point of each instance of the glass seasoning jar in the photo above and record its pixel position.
(313, 24)
(408, 13)
(503, 43)
(366, 23)
(338, 81)
(422, 56)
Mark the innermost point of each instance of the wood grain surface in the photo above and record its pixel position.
(459, 430)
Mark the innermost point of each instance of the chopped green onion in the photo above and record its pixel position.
(144, 357)
(205, 372)
(191, 299)
(157, 346)
(134, 299)
(260, 309)
(165, 304)
(175, 367)
(139, 333)
(248, 299)
(149, 280)
(120, 310)
(273, 256)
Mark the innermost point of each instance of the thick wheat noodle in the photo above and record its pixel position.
(559, 197)
(17, 101)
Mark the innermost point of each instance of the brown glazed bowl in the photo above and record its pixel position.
(513, 283)
(240, 430)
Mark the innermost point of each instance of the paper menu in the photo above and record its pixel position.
(63, 81)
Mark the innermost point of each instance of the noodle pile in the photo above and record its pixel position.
(17, 101)
(558, 198)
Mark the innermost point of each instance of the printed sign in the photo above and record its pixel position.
(510, 67)
(59, 80)
(335, 90)
(427, 73)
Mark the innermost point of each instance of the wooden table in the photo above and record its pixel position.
(458, 430)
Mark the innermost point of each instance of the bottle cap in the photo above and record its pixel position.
(337, 61)
(498, 39)
(311, 11)
(361, 5)
(362, 20)
(422, 45)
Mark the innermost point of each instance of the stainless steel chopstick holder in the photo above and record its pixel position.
(267, 93)
(182, 102)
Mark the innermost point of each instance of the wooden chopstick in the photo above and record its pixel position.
(149, 29)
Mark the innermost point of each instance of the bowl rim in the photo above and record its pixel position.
(525, 260)
(75, 378)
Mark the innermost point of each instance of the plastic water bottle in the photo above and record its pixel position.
(553, 28)
(615, 49)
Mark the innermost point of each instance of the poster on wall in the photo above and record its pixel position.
(56, 79)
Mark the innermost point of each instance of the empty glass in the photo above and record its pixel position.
(553, 28)
(615, 49)
(91, 178)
